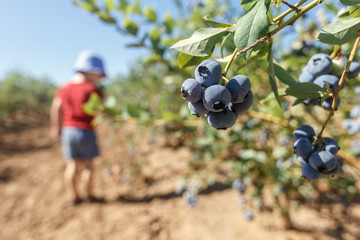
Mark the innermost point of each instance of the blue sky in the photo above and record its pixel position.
(44, 37)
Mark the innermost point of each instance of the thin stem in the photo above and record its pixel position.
(341, 82)
(294, 8)
(284, 14)
(230, 61)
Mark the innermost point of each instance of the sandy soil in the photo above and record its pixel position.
(141, 203)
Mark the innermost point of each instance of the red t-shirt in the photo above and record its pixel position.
(73, 95)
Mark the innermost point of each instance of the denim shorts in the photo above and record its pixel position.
(79, 144)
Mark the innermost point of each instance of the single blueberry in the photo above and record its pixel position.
(191, 90)
(303, 148)
(328, 103)
(319, 64)
(221, 120)
(239, 108)
(304, 131)
(216, 98)
(306, 76)
(197, 108)
(354, 70)
(308, 172)
(239, 86)
(331, 145)
(322, 161)
(208, 73)
(331, 80)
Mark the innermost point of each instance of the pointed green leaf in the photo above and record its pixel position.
(247, 5)
(272, 79)
(150, 14)
(92, 104)
(215, 24)
(228, 37)
(350, 2)
(355, 11)
(123, 5)
(105, 17)
(130, 26)
(155, 36)
(169, 23)
(340, 32)
(200, 44)
(251, 27)
(283, 75)
(185, 60)
(305, 90)
(88, 6)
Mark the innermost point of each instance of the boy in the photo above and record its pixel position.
(69, 123)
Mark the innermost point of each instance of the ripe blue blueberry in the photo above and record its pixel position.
(322, 161)
(309, 173)
(328, 103)
(331, 145)
(331, 80)
(354, 70)
(191, 90)
(306, 76)
(319, 64)
(197, 108)
(304, 131)
(216, 98)
(222, 120)
(239, 87)
(208, 73)
(239, 108)
(303, 148)
(335, 170)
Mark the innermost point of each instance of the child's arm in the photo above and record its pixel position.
(55, 118)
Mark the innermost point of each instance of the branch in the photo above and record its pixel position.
(294, 8)
(341, 82)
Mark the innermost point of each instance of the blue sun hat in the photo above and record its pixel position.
(89, 62)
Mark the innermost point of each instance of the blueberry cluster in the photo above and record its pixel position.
(316, 158)
(220, 104)
(318, 71)
(353, 124)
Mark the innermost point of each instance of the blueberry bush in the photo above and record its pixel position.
(220, 79)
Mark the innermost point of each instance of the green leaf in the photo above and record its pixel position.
(169, 23)
(92, 104)
(350, 2)
(251, 27)
(130, 26)
(122, 5)
(354, 11)
(88, 6)
(200, 44)
(109, 5)
(185, 60)
(247, 5)
(215, 24)
(155, 36)
(150, 14)
(272, 79)
(305, 90)
(340, 32)
(105, 17)
(283, 75)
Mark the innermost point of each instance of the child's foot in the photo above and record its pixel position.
(75, 201)
(93, 199)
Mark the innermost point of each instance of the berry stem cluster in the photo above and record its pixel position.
(299, 13)
(341, 81)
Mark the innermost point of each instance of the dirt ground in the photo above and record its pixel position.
(141, 204)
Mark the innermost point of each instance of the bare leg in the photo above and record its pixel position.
(88, 176)
(70, 179)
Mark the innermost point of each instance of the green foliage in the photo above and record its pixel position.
(341, 31)
(24, 94)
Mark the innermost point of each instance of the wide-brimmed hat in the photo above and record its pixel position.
(89, 62)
